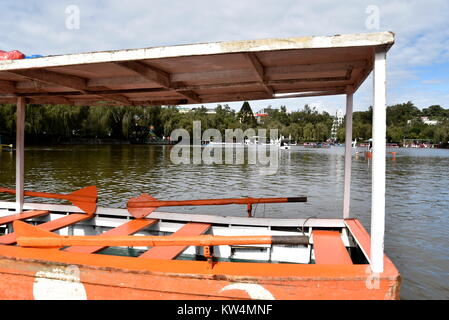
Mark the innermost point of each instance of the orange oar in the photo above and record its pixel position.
(31, 236)
(85, 198)
(145, 204)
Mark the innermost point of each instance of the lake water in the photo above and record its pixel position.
(417, 202)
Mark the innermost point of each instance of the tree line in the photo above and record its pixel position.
(58, 123)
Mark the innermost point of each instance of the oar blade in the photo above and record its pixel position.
(138, 211)
(85, 199)
(25, 231)
(6, 190)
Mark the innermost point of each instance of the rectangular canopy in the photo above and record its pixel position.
(197, 73)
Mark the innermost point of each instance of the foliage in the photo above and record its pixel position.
(46, 123)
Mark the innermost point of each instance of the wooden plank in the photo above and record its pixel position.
(116, 97)
(187, 90)
(321, 70)
(259, 71)
(56, 78)
(189, 94)
(157, 76)
(7, 86)
(168, 253)
(125, 229)
(363, 239)
(314, 68)
(22, 216)
(150, 73)
(329, 248)
(52, 225)
(65, 80)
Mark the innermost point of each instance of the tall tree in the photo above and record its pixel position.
(246, 115)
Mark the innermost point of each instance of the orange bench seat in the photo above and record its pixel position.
(329, 248)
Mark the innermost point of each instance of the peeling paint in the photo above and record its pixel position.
(59, 284)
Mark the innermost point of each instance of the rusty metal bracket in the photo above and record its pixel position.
(209, 256)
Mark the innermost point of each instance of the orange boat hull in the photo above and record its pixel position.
(111, 277)
(37, 273)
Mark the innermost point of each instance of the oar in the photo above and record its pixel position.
(31, 236)
(145, 204)
(85, 198)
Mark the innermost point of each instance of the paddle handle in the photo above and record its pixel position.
(214, 202)
(154, 241)
(47, 195)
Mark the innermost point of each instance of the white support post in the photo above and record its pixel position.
(378, 163)
(20, 142)
(348, 155)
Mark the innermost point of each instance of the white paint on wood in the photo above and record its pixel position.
(378, 163)
(255, 291)
(59, 283)
(348, 156)
(20, 153)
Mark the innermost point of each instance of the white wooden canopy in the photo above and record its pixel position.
(197, 73)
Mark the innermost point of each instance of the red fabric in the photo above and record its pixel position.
(11, 55)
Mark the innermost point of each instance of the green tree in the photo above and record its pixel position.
(246, 115)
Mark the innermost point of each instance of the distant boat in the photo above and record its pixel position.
(316, 145)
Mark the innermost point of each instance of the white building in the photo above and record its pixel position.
(426, 120)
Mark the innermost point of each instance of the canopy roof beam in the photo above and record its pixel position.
(259, 71)
(67, 81)
(152, 74)
(7, 86)
(157, 76)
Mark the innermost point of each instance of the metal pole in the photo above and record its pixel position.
(348, 155)
(378, 163)
(20, 141)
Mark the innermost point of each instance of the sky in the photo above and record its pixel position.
(417, 64)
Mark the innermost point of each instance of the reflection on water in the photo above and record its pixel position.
(417, 194)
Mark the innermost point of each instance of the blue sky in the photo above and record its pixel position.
(418, 63)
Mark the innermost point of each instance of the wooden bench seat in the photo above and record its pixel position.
(171, 252)
(125, 229)
(52, 225)
(22, 216)
(329, 248)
